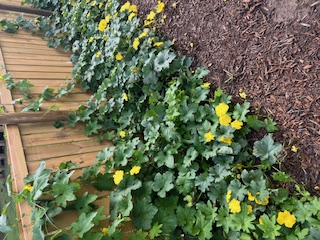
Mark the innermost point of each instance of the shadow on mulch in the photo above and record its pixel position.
(271, 50)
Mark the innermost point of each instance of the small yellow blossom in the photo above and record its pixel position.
(209, 137)
(91, 39)
(118, 176)
(73, 3)
(107, 18)
(122, 134)
(88, 15)
(151, 15)
(100, 5)
(144, 33)
(133, 9)
(105, 37)
(205, 85)
(237, 124)
(221, 109)
(136, 43)
(228, 196)
(174, 5)
(98, 54)
(160, 7)
(125, 97)
(125, 6)
(115, 15)
(264, 203)
(87, 1)
(234, 206)
(249, 209)
(119, 56)
(102, 25)
(36, 21)
(28, 187)
(294, 149)
(104, 231)
(225, 120)
(132, 15)
(226, 140)
(148, 22)
(260, 221)
(158, 44)
(93, 3)
(286, 218)
(239, 166)
(135, 170)
(242, 94)
(251, 197)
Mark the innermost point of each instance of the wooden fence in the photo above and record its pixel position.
(26, 56)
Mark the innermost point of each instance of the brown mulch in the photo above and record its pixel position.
(270, 49)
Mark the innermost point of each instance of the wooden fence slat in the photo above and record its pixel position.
(41, 75)
(32, 62)
(24, 45)
(32, 117)
(38, 69)
(48, 52)
(27, 56)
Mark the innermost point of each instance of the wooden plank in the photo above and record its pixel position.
(33, 62)
(24, 9)
(41, 75)
(63, 106)
(7, 44)
(49, 82)
(29, 128)
(34, 68)
(71, 97)
(33, 41)
(60, 150)
(54, 138)
(48, 52)
(26, 56)
(33, 117)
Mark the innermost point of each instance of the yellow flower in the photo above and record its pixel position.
(221, 109)
(119, 56)
(264, 203)
(28, 187)
(136, 43)
(239, 166)
(135, 170)
(205, 85)
(102, 25)
(228, 196)
(104, 231)
(209, 137)
(133, 9)
(72, 3)
(100, 5)
(148, 22)
(151, 15)
(107, 18)
(88, 15)
(93, 3)
(260, 221)
(160, 7)
(87, 1)
(234, 206)
(118, 176)
(36, 21)
(158, 44)
(91, 39)
(174, 5)
(105, 37)
(115, 15)
(132, 15)
(98, 54)
(294, 149)
(286, 218)
(122, 134)
(242, 94)
(125, 96)
(249, 209)
(125, 6)
(251, 197)
(226, 140)
(144, 33)
(237, 124)
(225, 120)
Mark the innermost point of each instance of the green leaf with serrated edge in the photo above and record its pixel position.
(240, 111)
(266, 150)
(155, 231)
(271, 125)
(190, 156)
(204, 181)
(138, 235)
(163, 60)
(92, 127)
(103, 182)
(64, 191)
(242, 220)
(93, 235)
(143, 214)
(254, 122)
(239, 191)
(83, 224)
(82, 204)
(125, 205)
(269, 227)
(163, 183)
(47, 93)
(282, 177)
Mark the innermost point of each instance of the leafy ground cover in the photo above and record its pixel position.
(181, 166)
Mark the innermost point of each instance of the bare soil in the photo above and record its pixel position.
(268, 48)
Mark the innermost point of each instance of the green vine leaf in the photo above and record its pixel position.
(4, 228)
(269, 227)
(83, 224)
(143, 214)
(163, 183)
(163, 60)
(155, 231)
(266, 150)
(64, 191)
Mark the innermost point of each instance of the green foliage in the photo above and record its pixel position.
(175, 168)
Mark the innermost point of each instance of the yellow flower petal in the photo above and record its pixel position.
(135, 170)
(225, 120)
(125, 97)
(102, 25)
(132, 15)
(122, 134)
(118, 176)
(160, 7)
(119, 56)
(249, 209)
(221, 109)
(205, 85)
(234, 206)
(228, 196)
(226, 140)
(209, 137)
(237, 124)
(286, 218)
(158, 44)
(104, 231)
(294, 149)
(136, 43)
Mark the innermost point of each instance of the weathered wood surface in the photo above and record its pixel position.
(26, 56)
(32, 117)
